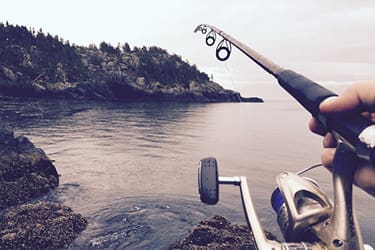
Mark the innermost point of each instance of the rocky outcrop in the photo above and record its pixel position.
(140, 91)
(218, 233)
(43, 225)
(251, 99)
(26, 174)
(25, 171)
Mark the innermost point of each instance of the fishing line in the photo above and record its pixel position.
(309, 168)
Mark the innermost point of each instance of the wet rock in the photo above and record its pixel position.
(218, 233)
(8, 73)
(44, 225)
(26, 172)
(251, 99)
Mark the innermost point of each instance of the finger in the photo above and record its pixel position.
(327, 157)
(369, 115)
(366, 94)
(365, 178)
(372, 117)
(340, 104)
(329, 141)
(316, 127)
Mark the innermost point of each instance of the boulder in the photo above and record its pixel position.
(26, 172)
(218, 233)
(44, 225)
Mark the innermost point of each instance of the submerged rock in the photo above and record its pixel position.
(218, 233)
(25, 171)
(44, 225)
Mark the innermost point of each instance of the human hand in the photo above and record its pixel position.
(357, 98)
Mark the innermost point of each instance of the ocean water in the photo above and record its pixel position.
(131, 168)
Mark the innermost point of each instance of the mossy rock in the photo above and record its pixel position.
(43, 225)
(26, 172)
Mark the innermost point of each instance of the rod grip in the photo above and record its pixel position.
(310, 94)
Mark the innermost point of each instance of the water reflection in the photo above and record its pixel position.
(116, 157)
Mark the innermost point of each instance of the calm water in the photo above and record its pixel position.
(131, 168)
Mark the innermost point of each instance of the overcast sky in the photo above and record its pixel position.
(329, 41)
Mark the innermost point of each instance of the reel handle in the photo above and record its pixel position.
(208, 181)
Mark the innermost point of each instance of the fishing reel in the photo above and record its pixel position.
(307, 217)
(292, 217)
(299, 203)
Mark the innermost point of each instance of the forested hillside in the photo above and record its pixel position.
(35, 63)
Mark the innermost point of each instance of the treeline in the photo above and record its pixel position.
(28, 56)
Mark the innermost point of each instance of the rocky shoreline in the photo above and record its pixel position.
(130, 91)
(218, 233)
(42, 225)
(26, 174)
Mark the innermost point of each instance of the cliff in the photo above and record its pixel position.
(38, 64)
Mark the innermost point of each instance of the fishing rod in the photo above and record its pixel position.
(356, 131)
(307, 217)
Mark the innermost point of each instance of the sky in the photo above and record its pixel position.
(330, 41)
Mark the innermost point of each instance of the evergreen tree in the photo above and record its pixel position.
(26, 56)
(126, 48)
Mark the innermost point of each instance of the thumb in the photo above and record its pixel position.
(339, 105)
(357, 97)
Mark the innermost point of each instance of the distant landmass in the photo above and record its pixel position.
(35, 64)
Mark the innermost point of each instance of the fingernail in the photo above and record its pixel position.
(327, 103)
(328, 100)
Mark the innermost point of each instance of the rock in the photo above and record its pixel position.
(251, 99)
(60, 87)
(8, 73)
(44, 225)
(218, 233)
(141, 81)
(38, 87)
(26, 172)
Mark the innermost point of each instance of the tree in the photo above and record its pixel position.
(126, 48)
(107, 48)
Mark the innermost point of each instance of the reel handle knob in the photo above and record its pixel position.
(208, 180)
